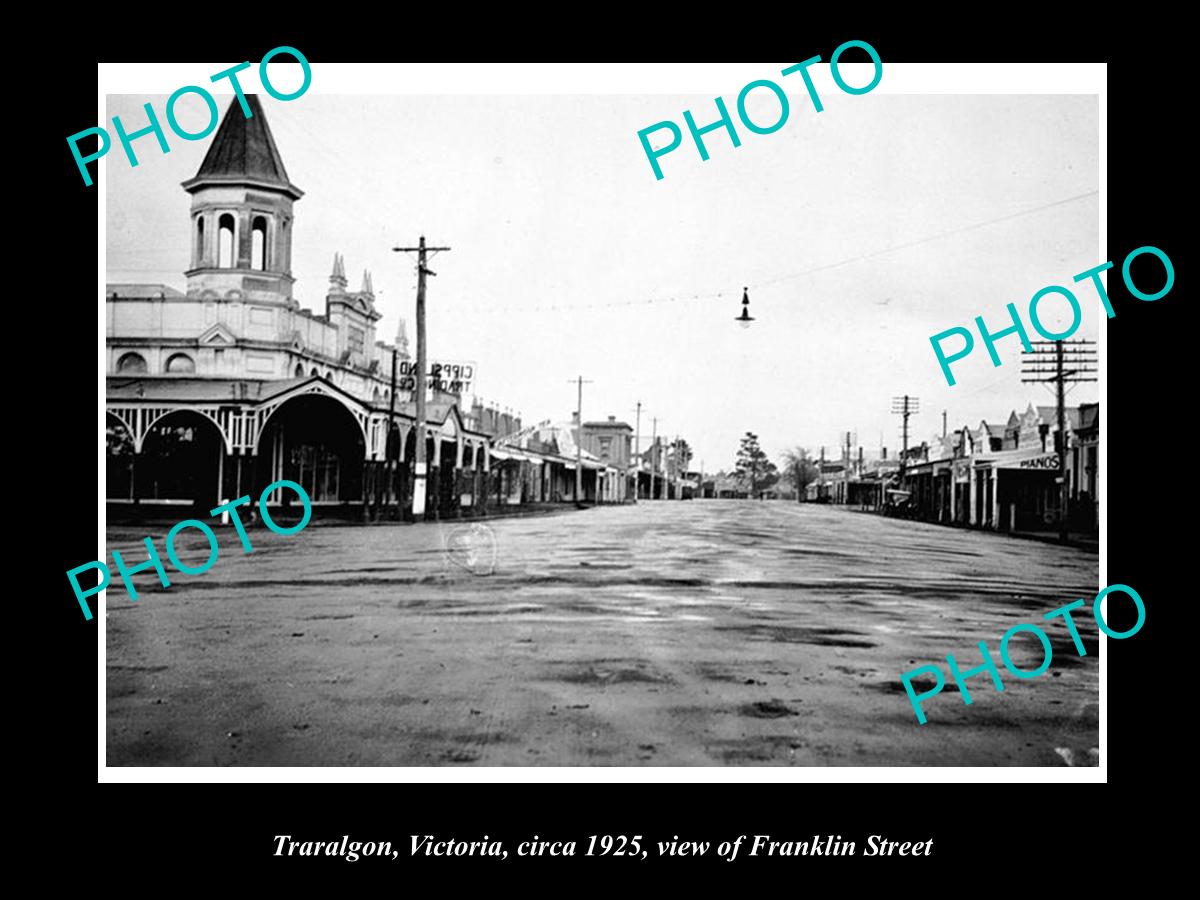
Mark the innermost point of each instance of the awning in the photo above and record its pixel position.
(511, 453)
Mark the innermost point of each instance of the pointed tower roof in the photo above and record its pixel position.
(244, 152)
(338, 278)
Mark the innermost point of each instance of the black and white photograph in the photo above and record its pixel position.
(492, 430)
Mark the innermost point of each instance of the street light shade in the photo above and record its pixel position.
(745, 318)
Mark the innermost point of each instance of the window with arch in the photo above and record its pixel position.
(225, 245)
(299, 370)
(200, 240)
(258, 243)
(315, 372)
(181, 363)
(132, 362)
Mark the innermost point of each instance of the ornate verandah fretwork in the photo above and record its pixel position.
(242, 421)
(140, 418)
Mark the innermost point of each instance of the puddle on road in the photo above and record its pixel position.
(767, 709)
(791, 634)
(614, 672)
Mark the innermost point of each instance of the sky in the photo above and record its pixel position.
(860, 232)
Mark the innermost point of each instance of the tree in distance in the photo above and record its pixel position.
(800, 470)
(753, 468)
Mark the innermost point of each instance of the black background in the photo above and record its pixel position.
(221, 836)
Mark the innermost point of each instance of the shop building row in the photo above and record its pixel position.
(1003, 477)
(218, 390)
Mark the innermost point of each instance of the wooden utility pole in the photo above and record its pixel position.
(1064, 489)
(579, 444)
(637, 452)
(675, 466)
(846, 471)
(821, 474)
(419, 380)
(1081, 357)
(388, 468)
(653, 455)
(905, 406)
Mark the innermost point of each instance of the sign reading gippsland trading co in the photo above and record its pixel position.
(455, 378)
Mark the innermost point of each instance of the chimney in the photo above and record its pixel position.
(885, 452)
(612, 418)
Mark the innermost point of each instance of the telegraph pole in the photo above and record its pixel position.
(419, 381)
(653, 455)
(1064, 492)
(387, 461)
(637, 450)
(905, 406)
(846, 471)
(1080, 356)
(678, 473)
(579, 443)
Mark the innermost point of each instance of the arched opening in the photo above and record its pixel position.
(315, 372)
(200, 241)
(314, 441)
(181, 363)
(448, 487)
(258, 243)
(133, 363)
(182, 460)
(225, 243)
(299, 370)
(376, 397)
(118, 470)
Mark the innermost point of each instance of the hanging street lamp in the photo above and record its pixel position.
(745, 318)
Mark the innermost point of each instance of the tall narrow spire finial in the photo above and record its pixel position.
(402, 339)
(338, 278)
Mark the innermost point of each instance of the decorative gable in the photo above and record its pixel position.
(217, 335)
(451, 426)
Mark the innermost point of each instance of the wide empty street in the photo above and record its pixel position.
(696, 633)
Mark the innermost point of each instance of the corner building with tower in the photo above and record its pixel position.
(215, 393)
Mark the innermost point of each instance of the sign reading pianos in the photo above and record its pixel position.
(450, 377)
(1031, 459)
(1045, 461)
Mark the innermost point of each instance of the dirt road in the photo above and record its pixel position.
(677, 634)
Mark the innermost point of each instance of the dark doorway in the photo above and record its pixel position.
(314, 441)
(181, 460)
